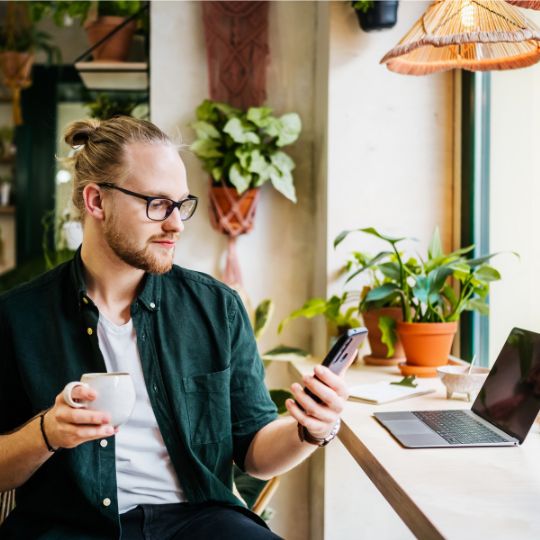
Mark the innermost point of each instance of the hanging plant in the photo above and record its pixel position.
(241, 151)
(378, 15)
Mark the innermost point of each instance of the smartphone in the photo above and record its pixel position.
(342, 354)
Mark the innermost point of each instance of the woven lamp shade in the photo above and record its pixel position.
(477, 35)
(532, 4)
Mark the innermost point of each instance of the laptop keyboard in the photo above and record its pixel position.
(457, 427)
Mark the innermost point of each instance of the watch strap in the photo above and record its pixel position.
(305, 436)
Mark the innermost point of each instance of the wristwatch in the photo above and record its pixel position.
(306, 436)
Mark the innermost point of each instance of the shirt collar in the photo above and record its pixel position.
(149, 296)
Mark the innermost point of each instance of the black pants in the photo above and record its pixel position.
(193, 522)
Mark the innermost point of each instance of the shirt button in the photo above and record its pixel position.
(89, 331)
(152, 305)
(155, 388)
(106, 501)
(103, 443)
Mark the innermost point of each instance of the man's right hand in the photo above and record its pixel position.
(67, 427)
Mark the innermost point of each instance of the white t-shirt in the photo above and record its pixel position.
(144, 472)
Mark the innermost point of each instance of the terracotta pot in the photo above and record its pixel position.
(379, 350)
(427, 344)
(116, 47)
(230, 213)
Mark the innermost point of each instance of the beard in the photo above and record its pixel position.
(128, 251)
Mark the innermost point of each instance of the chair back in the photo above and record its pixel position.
(7, 504)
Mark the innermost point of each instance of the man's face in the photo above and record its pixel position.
(154, 170)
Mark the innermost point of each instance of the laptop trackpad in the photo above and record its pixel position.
(408, 427)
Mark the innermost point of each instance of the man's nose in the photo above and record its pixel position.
(173, 222)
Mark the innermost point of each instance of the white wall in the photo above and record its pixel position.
(514, 200)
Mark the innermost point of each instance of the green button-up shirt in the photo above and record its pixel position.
(202, 372)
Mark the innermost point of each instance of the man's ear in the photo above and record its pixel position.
(93, 201)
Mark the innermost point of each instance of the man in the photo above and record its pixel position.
(121, 305)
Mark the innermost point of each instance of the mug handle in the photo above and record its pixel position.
(66, 394)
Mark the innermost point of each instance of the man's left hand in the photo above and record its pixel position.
(319, 418)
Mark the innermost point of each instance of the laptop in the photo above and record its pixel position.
(501, 415)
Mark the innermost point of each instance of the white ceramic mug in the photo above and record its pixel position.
(115, 394)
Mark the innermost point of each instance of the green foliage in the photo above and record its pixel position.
(30, 40)
(105, 107)
(118, 8)
(363, 6)
(435, 289)
(263, 314)
(243, 148)
(409, 382)
(63, 11)
(60, 11)
(334, 310)
(388, 326)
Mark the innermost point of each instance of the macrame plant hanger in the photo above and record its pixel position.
(237, 55)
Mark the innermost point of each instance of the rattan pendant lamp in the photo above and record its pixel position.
(477, 35)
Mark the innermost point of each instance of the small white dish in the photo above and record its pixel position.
(458, 379)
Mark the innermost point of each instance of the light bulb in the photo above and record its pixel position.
(468, 15)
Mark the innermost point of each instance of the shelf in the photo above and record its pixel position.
(7, 210)
(114, 75)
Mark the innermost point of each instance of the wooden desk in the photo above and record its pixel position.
(443, 493)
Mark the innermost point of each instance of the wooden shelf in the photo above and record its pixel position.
(7, 210)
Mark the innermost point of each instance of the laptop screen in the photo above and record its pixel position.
(510, 397)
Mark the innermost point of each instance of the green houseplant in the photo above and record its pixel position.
(341, 312)
(380, 316)
(243, 149)
(433, 292)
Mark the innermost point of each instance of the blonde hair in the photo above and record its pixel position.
(100, 150)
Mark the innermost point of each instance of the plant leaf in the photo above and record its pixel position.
(487, 273)
(387, 326)
(407, 381)
(239, 179)
(382, 292)
(206, 148)
(290, 125)
(283, 182)
(205, 130)
(239, 133)
(263, 314)
(435, 248)
(259, 116)
(279, 396)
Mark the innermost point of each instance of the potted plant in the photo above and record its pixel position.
(380, 316)
(242, 150)
(99, 19)
(19, 41)
(433, 291)
(376, 15)
(110, 15)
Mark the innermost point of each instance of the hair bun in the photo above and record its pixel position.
(79, 133)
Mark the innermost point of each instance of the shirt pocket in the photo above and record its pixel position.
(208, 404)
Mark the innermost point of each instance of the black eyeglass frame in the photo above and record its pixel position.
(149, 199)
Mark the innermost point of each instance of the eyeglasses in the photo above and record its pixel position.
(160, 208)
